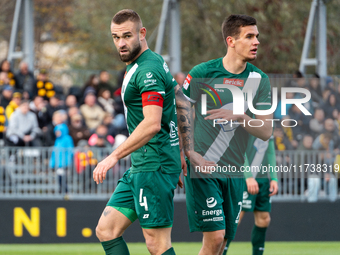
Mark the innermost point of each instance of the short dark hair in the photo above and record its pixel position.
(231, 25)
(125, 15)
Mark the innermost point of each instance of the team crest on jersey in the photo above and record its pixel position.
(148, 75)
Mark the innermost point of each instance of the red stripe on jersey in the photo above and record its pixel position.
(152, 98)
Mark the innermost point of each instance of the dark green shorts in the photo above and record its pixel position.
(214, 204)
(147, 196)
(259, 202)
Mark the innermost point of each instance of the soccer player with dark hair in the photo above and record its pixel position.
(146, 190)
(214, 203)
(260, 185)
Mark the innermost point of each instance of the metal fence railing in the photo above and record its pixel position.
(26, 173)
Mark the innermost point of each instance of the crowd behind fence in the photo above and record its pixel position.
(25, 174)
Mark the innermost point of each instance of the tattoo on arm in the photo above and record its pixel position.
(184, 118)
(106, 211)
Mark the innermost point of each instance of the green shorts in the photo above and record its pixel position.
(214, 204)
(147, 196)
(259, 202)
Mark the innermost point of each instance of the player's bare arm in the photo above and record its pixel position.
(184, 114)
(264, 132)
(143, 133)
(185, 117)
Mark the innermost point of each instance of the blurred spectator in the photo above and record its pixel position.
(302, 122)
(13, 105)
(322, 141)
(19, 134)
(55, 104)
(77, 130)
(38, 107)
(3, 122)
(92, 112)
(120, 124)
(4, 81)
(108, 122)
(306, 143)
(100, 138)
(62, 155)
(315, 90)
(92, 82)
(180, 78)
(292, 82)
(58, 117)
(298, 80)
(6, 96)
(43, 87)
(335, 114)
(325, 95)
(316, 124)
(281, 141)
(5, 66)
(71, 101)
(105, 101)
(104, 83)
(330, 105)
(71, 112)
(330, 84)
(25, 79)
(330, 127)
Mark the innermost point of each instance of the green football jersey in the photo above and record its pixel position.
(261, 159)
(224, 144)
(149, 73)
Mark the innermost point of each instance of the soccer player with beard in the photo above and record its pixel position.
(214, 201)
(146, 190)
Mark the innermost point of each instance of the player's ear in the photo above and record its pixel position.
(142, 33)
(230, 41)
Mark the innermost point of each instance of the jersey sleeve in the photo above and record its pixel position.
(264, 99)
(272, 159)
(247, 174)
(191, 83)
(151, 78)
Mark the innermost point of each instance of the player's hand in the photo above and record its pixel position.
(274, 187)
(222, 114)
(99, 173)
(198, 161)
(252, 186)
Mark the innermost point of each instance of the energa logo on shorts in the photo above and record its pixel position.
(245, 195)
(211, 202)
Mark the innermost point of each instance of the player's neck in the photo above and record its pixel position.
(144, 48)
(233, 64)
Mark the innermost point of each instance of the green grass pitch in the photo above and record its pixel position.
(236, 248)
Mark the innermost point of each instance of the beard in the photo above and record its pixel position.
(132, 53)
